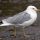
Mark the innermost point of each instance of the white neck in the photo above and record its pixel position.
(32, 13)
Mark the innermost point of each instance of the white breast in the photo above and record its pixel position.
(33, 15)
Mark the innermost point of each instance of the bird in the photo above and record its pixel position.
(24, 18)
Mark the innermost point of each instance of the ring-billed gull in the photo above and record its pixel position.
(25, 18)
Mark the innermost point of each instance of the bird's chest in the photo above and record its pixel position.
(33, 14)
(32, 20)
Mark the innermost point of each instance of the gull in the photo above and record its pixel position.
(25, 18)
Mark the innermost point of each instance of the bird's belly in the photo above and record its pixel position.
(31, 21)
(28, 23)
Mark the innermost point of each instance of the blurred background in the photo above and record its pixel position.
(12, 7)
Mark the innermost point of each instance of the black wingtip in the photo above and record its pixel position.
(1, 22)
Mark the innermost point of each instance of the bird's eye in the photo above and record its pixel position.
(33, 8)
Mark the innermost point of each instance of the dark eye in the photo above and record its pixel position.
(33, 8)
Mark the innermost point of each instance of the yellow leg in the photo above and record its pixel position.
(15, 31)
(23, 32)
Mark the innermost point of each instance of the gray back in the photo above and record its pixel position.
(18, 18)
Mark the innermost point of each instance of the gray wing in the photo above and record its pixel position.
(19, 18)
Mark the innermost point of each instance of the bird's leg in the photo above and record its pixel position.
(23, 32)
(15, 31)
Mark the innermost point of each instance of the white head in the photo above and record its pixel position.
(32, 8)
